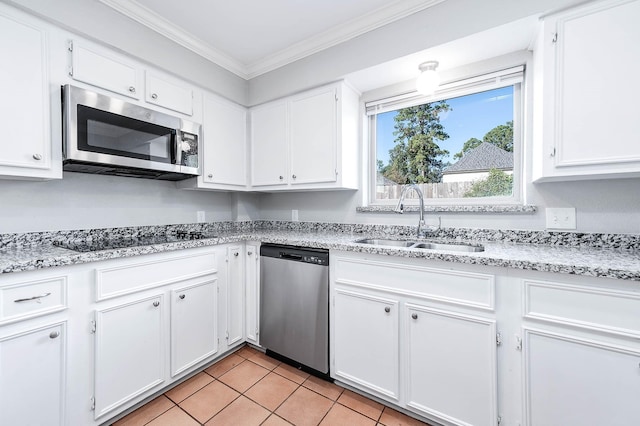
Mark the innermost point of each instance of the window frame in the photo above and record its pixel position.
(511, 76)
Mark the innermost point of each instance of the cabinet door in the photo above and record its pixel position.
(25, 107)
(592, 76)
(105, 70)
(269, 143)
(575, 381)
(313, 137)
(224, 134)
(451, 366)
(130, 352)
(165, 93)
(366, 341)
(194, 325)
(32, 377)
(235, 295)
(252, 293)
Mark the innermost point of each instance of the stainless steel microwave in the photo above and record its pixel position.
(105, 135)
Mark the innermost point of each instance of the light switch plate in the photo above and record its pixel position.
(200, 216)
(561, 218)
(294, 215)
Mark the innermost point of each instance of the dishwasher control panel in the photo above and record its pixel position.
(314, 259)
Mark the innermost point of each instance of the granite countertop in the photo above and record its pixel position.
(575, 257)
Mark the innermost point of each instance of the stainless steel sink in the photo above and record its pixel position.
(461, 247)
(469, 248)
(383, 242)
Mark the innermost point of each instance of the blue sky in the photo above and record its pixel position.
(471, 116)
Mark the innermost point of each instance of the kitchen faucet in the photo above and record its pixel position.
(400, 209)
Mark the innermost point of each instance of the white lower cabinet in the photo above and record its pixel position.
(32, 376)
(581, 351)
(130, 352)
(451, 365)
(194, 325)
(252, 292)
(571, 380)
(366, 341)
(394, 337)
(235, 295)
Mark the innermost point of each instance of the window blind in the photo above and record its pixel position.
(494, 80)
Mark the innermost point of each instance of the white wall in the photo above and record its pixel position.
(445, 22)
(82, 201)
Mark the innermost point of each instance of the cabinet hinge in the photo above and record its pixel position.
(92, 327)
(518, 343)
(555, 38)
(498, 339)
(93, 403)
(227, 336)
(499, 420)
(70, 46)
(336, 96)
(71, 71)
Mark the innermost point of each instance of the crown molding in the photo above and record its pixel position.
(332, 37)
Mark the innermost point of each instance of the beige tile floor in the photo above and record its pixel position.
(250, 388)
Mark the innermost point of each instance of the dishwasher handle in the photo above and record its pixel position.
(291, 256)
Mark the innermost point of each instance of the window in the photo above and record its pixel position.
(460, 145)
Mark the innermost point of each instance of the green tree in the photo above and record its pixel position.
(497, 183)
(501, 136)
(416, 156)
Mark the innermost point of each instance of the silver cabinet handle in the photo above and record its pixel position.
(294, 176)
(37, 157)
(281, 177)
(209, 175)
(236, 254)
(249, 253)
(36, 298)
(414, 316)
(387, 309)
(154, 96)
(132, 89)
(54, 334)
(182, 296)
(156, 304)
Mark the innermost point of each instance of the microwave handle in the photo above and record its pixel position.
(177, 148)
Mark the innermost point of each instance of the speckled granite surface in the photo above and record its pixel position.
(507, 208)
(600, 255)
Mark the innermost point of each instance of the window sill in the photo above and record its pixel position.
(492, 209)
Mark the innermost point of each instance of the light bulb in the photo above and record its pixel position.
(428, 80)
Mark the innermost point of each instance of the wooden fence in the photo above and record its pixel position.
(430, 190)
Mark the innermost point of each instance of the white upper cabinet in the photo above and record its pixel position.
(101, 68)
(314, 136)
(169, 94)
(29, 150)
(269, 142)
(590, 94)
(306, 141)
(224, 146)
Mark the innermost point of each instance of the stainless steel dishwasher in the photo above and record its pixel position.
(294, 304)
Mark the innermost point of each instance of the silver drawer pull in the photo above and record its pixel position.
(414, 316)
(182, 296)
(54, 334)
(387, 309)
(36, 298)
(156, 303)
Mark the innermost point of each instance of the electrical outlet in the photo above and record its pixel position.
(294, 215)
(200, 216)
(561, 218)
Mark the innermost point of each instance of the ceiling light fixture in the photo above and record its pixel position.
(428, 80)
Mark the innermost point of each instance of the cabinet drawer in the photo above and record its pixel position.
(32, 299)
(593, 308)
(151, 271)
(460, 288)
